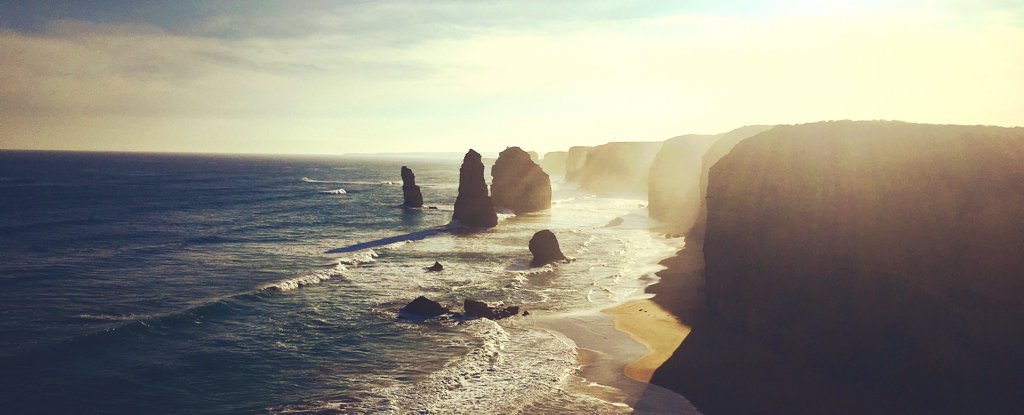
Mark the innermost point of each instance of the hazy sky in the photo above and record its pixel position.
(360, 76)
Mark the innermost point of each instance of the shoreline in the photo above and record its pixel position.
(652, 326)
(603, 353)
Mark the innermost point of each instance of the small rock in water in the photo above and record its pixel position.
(544, 247)
(437, 267)
(423, 307)
(526, 313)
(480, 309)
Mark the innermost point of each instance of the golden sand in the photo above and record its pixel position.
(652, 326)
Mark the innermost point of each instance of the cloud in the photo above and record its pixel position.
(411, 76)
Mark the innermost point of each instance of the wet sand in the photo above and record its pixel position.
(654, 327)
(603, 353)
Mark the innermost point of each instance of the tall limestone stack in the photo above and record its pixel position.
(889, 252)
(519, 184)
(410, 191)
(722, 146)
(473, 207)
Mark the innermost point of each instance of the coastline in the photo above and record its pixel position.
(603, 352)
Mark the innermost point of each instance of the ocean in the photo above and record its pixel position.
(211, 284)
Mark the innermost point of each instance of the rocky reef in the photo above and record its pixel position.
(518, 184)
(545, 249)
(553, 162)
(673, 191)
(473, 206)
(617, 168)
(888, 252)
(410, 191)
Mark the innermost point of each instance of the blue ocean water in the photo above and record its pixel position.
(155, 283)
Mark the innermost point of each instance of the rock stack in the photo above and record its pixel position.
(473, 206)
(518, 184)
(410, 191)
(545, 249)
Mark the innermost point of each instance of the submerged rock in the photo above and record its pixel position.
(437, 267)
(480, 309)
(410, 191)
(423, 307)
(545, 249)
(518, 183)
(473, 206)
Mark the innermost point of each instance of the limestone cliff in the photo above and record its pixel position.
(518, 184)
(618, 168)
(574, 161)
(889, 252)
(722, 146)
(553, 163)
(673, 192)
(473, 206)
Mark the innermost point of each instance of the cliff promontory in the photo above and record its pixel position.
(891, 253)
(518, 183)
(554, 162)
(617, 168)
(673, 193)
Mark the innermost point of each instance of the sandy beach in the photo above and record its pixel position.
(652, 326)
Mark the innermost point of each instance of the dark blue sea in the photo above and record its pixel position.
(211, 284)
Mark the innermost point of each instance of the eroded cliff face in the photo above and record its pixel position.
(554, 162)
(518, 184)
(673, 193)
(890, 251)
(473, 206)
(618, 168)
(574, 161)
(722, 146)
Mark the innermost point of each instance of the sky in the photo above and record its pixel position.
(332, 77)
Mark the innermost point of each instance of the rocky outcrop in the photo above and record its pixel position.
(618, 168)
(553, 163)
(437, 267)
(473, 206)
(422, 307)
(410, 191)
(518, 184)
(673, 192)
(889, 252)
(479, 309)
(575, 159)
(545, 249)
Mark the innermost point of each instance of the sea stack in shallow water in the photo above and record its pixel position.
(888, 252)
(518, 183)
(410, 191)
(545, 249)
(473, 207)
